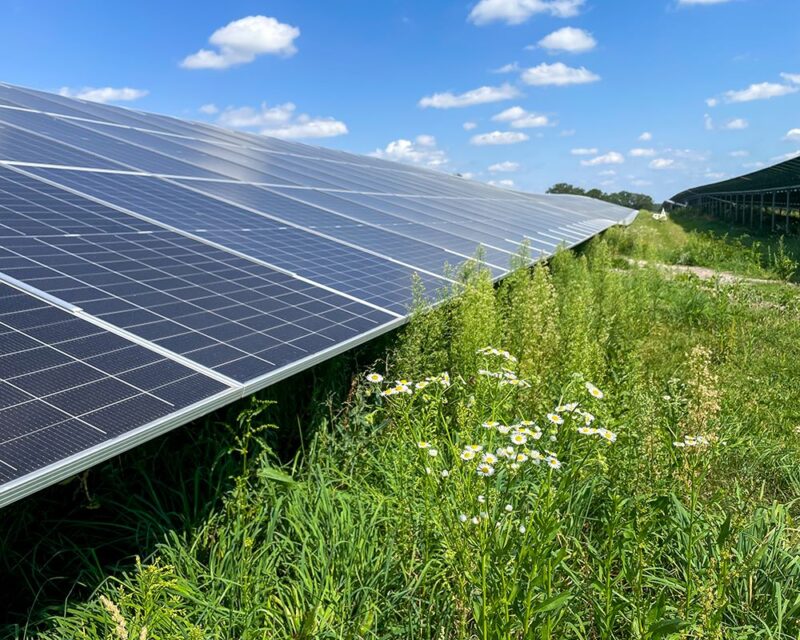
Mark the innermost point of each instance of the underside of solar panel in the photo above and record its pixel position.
(153, 269)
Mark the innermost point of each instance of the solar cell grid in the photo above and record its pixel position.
(66, 384)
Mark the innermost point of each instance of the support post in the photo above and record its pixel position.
(788, 208)
(761, 212)
(772, 225)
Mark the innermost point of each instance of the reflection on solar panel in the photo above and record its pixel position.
(152, 270)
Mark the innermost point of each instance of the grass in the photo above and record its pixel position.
(589, 521)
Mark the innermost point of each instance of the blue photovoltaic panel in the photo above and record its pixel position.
(350, 270)
(152, 269)
(67, 385)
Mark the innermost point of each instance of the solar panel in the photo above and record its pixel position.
(152, 269)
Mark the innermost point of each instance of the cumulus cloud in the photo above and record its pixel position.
(736, 124)
(557, 74)
(104, 94)
(612, 157)
(646, 137)
(662, 163)
(785, 156)
(792, 135)
(582, 151)
(642, 153)
(511, 67)
(242, 41)
(568, 39)
(712, 102)
(519, 118)
(280, 121)
(209, 109)
(498, 137)
(794, 78)
(503, 184)
(759, 91)
(504, 167)
(421, 151)
(481, 95)
(469, 126)
(518, 11)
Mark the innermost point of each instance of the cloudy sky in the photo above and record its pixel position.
(644, 95)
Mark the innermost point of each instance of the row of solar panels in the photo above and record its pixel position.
(153, 269)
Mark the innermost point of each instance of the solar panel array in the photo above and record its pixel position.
(153, 269)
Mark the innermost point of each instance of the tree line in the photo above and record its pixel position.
(622, 198)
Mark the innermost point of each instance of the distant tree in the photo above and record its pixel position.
(622, 198)
(564, 187)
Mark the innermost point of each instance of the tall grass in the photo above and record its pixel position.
(581, 452)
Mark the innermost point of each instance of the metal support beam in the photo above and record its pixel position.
(761, 213)
(788, 208)
(774, 196)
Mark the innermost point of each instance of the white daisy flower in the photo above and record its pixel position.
(433, 452)
(467, 455)
(555, 418)
(482, 499)
(553, 463)
(445, 473)
(463, 517)
(490, 424)
(503, 429)
(594, 391)
(514, 466)
(522, 528)
(424, 445)
(475, 520)
(509, 508)
(485, 470)
(389, 392)
(489, 458)
(521, 457)
(519, 438)
(421, 385)
(474, 447)
(610, 436)
(374, 377)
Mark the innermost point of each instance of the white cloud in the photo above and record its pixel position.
(469, 126)
(511, 67)
(662, 163)
(568, 39)
(498, 137)
(468, 175)
(693, 2)
(481, 95)
(708, 122)
(504, 167)
(209, 109)
(241, 41)
(646, 137)
(519, 118)
(737, 124)
(760, 91)
(739, 154)
(280, 121)
(785, 156)
(612, 157)
(584, 152)
(712, 102)
(792, 135)
(518, 11)
(794, 78)
(104, 94)
(642, 153)
(307, 127)
(422, 151)
(504, 184)
(557, 74)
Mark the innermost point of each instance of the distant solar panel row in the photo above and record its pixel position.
(153, 269)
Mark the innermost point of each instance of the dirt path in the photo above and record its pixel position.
(704, 273)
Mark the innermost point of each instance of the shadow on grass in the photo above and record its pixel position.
(58, 545)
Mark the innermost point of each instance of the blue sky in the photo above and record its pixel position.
(713, 84)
